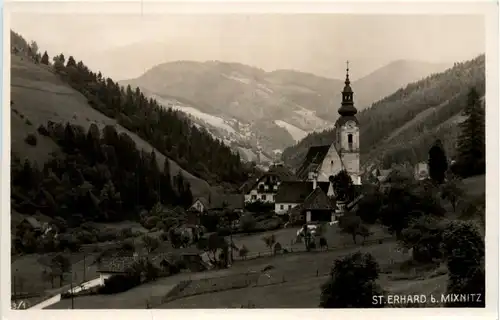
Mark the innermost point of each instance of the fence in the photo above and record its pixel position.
(291, 249)
(232, 282)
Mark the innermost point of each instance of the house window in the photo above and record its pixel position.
(263, 197)
(349, 141)
(266, 187)
(254, 197)
(289, 206)
(281, 207)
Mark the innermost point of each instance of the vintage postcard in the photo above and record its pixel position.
(327, 156)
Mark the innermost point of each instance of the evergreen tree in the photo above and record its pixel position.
(45, 58)
(438, 163)
(71, 62)
(471, 142)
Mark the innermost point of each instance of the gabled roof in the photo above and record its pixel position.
(280, 172)
(318, 200)
(203, 201)
(314, 157)
(33, 222)
(297, 191)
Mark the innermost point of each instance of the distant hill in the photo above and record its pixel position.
(247, 106)
(402, 126)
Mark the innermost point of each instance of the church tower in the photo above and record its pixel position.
(347, 133)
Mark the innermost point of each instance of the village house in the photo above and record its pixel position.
(422, 171)
(32, 224)
(265, 187)
(294, 193)
(317, 207)
(120, 265)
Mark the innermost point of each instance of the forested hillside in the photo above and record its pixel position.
(401, 127)
(71, 161)
(169, 131)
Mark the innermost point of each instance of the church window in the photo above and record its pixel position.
(349, 141)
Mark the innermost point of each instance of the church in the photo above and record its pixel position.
(321, 162)
(311, 196)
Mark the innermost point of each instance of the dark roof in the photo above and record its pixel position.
(297, 191)
(318, 200)
(354, 202)
(280, 172)
(314, 157)
(33, 222)
(231, 201)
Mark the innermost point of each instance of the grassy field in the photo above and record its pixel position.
(303, 282)
(475, 186)
(299, 287)
(285, 237)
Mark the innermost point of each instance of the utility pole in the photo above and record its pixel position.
(84, 267)
(14, 283)
(71, 293)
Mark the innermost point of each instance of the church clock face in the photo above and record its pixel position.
(350, 124)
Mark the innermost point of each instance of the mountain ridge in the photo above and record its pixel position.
(252, 100)
(401, 126)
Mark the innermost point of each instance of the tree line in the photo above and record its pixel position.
(168, 130)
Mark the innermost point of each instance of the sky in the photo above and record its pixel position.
(125, 46)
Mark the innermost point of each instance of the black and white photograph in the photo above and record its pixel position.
(249, 160)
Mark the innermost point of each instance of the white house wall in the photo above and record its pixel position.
(258, 195)
(282, 208)
(331, 165)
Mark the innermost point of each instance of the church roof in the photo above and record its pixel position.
(297, 191)
(318, 200)
(314, 158)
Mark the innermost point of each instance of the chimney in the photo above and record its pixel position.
(315, 180)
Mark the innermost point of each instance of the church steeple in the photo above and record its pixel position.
(347, 108)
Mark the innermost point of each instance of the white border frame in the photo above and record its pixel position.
(487, 8)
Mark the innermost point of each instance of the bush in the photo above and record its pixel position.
(352, 283)
(31, 139)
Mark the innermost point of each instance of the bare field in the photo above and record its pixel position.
(39, 96)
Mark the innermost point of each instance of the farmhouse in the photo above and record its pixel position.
(294, 193)
(31, 223)
(191, 257)
(265, 187)
(317, 207)
(421, 171)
